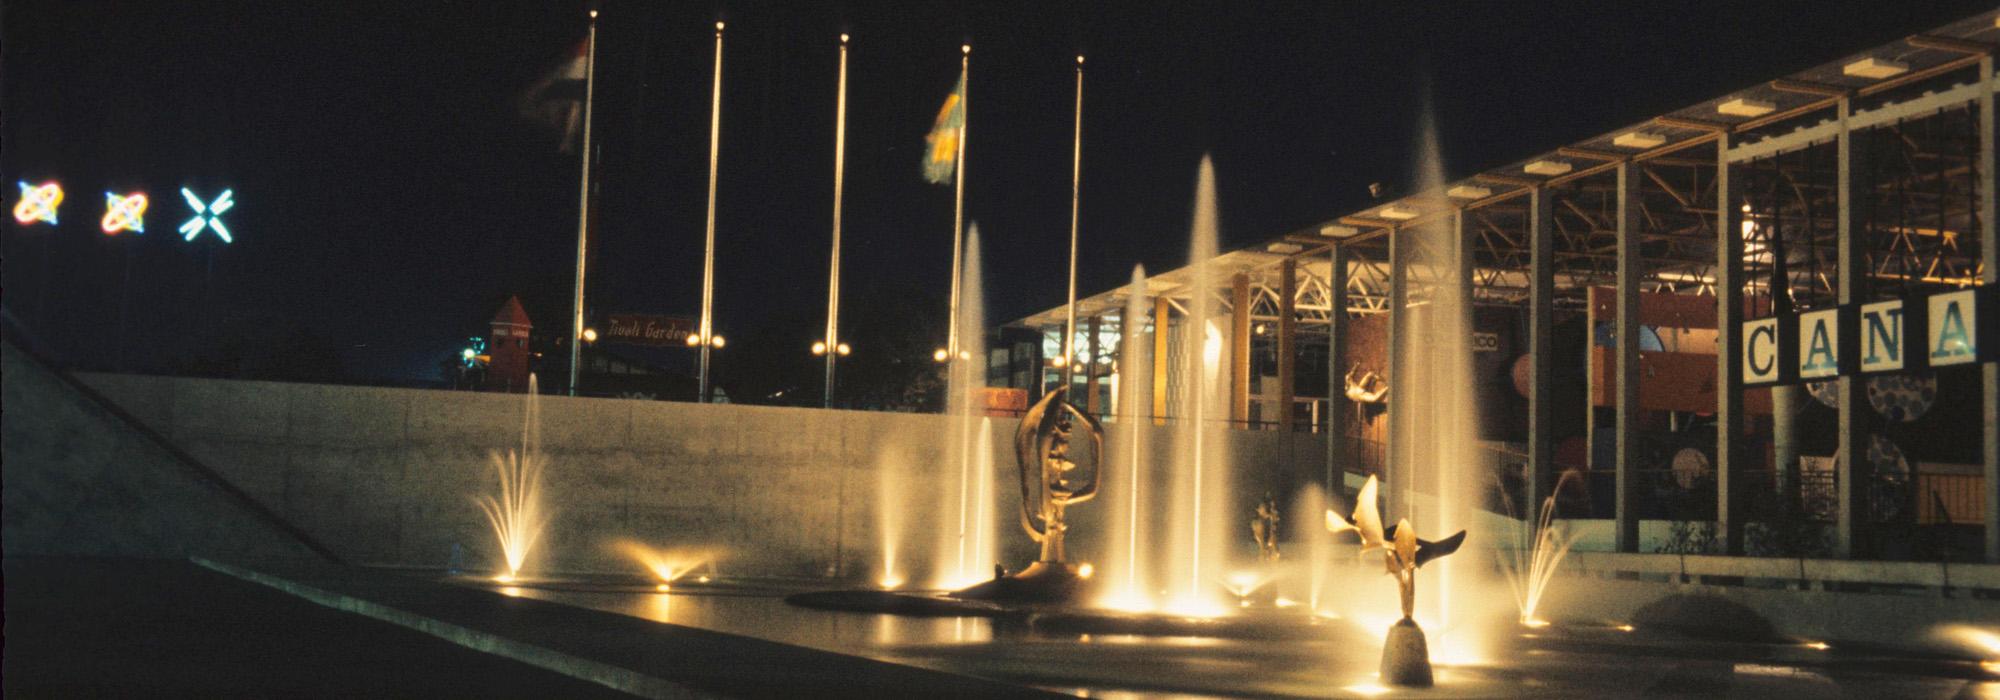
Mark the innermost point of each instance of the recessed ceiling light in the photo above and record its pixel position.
(1398, 213)
(1469, 192)
(1546, 167)
(1639, 139)
(1746, 107)
(1876, 68)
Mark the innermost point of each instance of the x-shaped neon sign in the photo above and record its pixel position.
(38, 203)
(124, 213)
(207, 215)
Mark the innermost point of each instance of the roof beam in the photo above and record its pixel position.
(1946, 43)
(1688, 123)
(1589, 154)
(1809, 87)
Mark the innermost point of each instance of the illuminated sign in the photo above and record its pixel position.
(207, 215)
(1894, 335)
(1952, 337)
(1818, 333)
(1760, 351)
(1885, 333)
(642, 329)
(38, 203)
(124, 213)
(474, 353)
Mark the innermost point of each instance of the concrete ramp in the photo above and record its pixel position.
(82, 478)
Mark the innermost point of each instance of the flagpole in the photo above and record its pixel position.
(958, 196)
(583, 208)
(1075, 180)
(833, 274)
(708, 258)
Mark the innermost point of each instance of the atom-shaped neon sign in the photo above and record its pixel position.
(207, 215)
(38, 203)
(124, 213)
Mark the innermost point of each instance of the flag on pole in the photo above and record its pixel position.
(556, 100)
(941, 162)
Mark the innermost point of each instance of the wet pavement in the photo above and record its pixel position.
(80, 628)
(1559, 661)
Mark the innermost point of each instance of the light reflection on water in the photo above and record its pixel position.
(771, 618)
(1114, 665)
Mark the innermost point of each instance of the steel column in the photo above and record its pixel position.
(1339, 448)
(1288, 326)
(1989, 234)
(1851, 440)
(1162, 320)
(1730, 484)
(1394, 468)
(1541, 350)
(1239, 350)
(1090, 404)
(1466, 422)
(1626, 399)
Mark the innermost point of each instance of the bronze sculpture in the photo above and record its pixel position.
(1265, 529)
(1051, 482)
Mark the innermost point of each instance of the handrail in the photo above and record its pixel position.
(1899, 573)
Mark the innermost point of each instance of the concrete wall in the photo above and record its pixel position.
(80, 481)
(387, 476)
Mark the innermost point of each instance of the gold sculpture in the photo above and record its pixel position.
(1405, 656)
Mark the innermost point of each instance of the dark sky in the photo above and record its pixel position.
(390, 196)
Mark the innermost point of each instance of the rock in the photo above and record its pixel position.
(1406, 658)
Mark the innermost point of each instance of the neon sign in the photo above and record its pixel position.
(38, 203)
(126, 213)
(473, 352)
(207, 215)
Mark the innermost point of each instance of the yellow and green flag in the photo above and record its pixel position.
(941, 162)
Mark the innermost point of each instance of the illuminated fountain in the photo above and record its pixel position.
(889, 493)
(964, 552)
(1530, 568)
(667, 567)
(1200, 502)
(1437, 465)
(1126, 579)
(516, 514)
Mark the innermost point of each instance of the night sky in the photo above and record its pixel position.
(390, 195)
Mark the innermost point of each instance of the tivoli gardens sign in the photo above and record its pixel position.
(1897, 335)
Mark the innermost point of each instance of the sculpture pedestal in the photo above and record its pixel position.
(1041, 582)
(1406, 658)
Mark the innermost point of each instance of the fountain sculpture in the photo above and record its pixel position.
(1405, 655)
(1051, 482)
